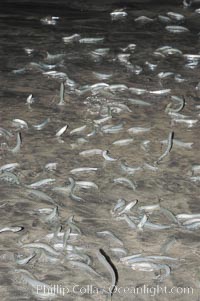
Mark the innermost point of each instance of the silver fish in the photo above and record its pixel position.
(176, 29)
(168, 149)
(40, 126)
(91, 40)
(83, 170)
(102, 76)
(71, 39)
(161, 92)
(125, 181)
(123, 142)
(91, 152)
(118, 14)
(61, 131)
(20, 123)
(78, 130)
(54, 58)
(138, 130)
(102, 257)
(175, 16)
(40, 183)
(11, 229)
(143, 20)
(9, 167)
(86, 184)
(62, 94)
(107, 157)
(137, 91)
(110, 235)
(40, 245)
(51, 166)
(17, 148)
(138, 102)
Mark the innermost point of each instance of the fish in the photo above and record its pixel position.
(110, 235)
(51, 166)
(176, 29)
(49, 20)
(179, 143)
(17, 148)
(175, 16)
(102, 120)
(123, 142)
(11, 229)
(72, 188)
(9, 167)
(43, 246)
(54, 58)
(83, 170)
(91, 152)
(150, 167)
(102, 76)
(189, 122)
(120, 106)
(181, 100)
(40, 126)
(106, 156)
(117, 88)
(112, 129)
(161, 92)
(7, 134)
(182, 216)
(138, 102)
(30, 99)
(150, 267)
(61, 131)
(83, 266)
(40, 183)
(56, 74)
(86, 184)
(53, 216)
(119, 251)
(40, 289)
(103, 259)
(78, 130)
(195, 178)
(91, 40)
(164, 19)
(118, 14)
(167, 245)
(130, 47)
(10, 177)
(129, 169)
(195, 169)
(20, 123)
(120, 204)
(143, 20)
(127, 208)
(127, 219)
(142, 222)
(137, 91)
(149, 208)
(22, 261)
(41, 195)
(71, 39)
(168, 149)
(151, 66)
(62, 94)
(138, 130)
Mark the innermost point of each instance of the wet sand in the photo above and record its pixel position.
(171, 185)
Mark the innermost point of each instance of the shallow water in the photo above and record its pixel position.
(171, 185)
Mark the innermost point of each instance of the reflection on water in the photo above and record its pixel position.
(128, 83)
